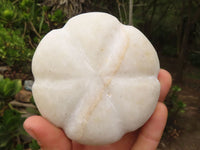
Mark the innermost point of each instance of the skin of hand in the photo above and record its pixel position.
(50, 137)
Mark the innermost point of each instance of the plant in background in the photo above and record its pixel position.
(8, 89)
(12, 47)
(10, 129)
(23, 23)
(175, 105)
(8, 11)
(12, 133)
(175, 108)
(11, 120)
(34, 145)
(15, 49)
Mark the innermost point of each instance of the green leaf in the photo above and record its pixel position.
(19, 147)
(41, 22)
(34, 145)
(10, 127)
(9, 88)
(1, 77)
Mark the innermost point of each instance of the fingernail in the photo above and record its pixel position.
(31, 133)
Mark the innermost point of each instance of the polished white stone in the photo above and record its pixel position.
(96, 78)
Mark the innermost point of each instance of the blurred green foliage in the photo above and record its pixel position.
(13, 49)
(34, 145)
(11, 120)
(176, 108)
(10, 129)
(8, 89)
(174, 104)
(12, 132)
(22, 25)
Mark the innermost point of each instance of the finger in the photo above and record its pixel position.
(150, 134)
(165, 83)
(48, 136)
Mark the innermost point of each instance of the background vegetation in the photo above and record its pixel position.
(173, 26)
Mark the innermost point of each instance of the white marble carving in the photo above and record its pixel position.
(96, 78)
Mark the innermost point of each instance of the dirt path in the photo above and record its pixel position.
(187, 134)
(189, 124)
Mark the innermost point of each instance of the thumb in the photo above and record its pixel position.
(49, 137)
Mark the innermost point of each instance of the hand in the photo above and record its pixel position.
(147, 137)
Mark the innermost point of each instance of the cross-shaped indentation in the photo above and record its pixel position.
(103, 78)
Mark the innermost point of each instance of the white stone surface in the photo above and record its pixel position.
(96, 78)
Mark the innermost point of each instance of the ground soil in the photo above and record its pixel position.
(185, 134)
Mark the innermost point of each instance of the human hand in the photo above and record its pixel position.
(147, 137)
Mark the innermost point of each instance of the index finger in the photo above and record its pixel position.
(165, 83)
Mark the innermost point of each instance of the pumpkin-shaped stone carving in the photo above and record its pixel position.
(96, 78)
